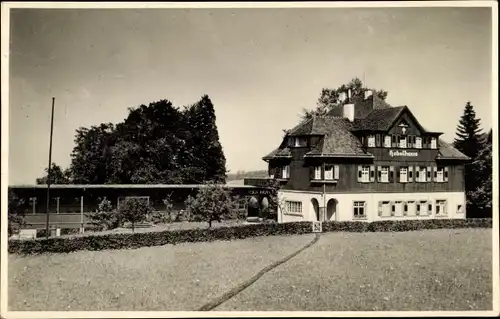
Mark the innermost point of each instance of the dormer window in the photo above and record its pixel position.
(300, 142)
(402, 142)
(371, 140)
(433, 143)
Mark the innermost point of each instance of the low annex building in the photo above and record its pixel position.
(366, 160)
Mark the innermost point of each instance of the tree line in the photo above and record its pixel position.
(155, 144)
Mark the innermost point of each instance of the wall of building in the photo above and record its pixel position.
(345, 202)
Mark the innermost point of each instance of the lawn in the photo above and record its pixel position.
(164, 278)
(411, 271)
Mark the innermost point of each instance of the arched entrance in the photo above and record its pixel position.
(315, 205)
(331, 209)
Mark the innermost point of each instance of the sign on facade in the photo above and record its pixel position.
(27, 234)
(317, 227)
(403, 153)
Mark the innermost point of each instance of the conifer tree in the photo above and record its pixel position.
(469, 139)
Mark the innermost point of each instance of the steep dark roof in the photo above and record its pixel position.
(447, 151)
(277, 153)
(338, 139)
(379, 119)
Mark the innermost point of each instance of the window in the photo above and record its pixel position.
(371, 141)
(359, 210)
(293, 207)
(433, 143)
(409, 208)
(329, 172)
(418, 142)
(399, 209)
(121, 199)
(460, 209)
(411, 141)
(421, 174)
(402, 142)
(429, 208)
(285, 172)
(403, 174)
(363, 174)
(383, 174)
(441, 208)
(384, 209)
(393, 209)
(441, 174)
(423, 208)
(377, 140)
(317, 172)
(300, 142)
(393, 140)
(387, 141)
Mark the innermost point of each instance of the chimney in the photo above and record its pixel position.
(368, 93)
(342, 97)
(348, 111)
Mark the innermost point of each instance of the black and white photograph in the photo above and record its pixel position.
(207, 159)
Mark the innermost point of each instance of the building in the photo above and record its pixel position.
(70, 203)
(366, 160)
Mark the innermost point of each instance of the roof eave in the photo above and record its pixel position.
(341, 155)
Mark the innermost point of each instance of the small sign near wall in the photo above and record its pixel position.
(317, 227)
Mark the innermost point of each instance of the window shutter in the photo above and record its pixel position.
(377, 140)
(391, 174)
(393, 208)
(428, 174)
(410, 174)
(417, 173)
(434, 168)
(372, 173)
(288, 171)
(398, 174)
(404, 205)
(380, 208)
(446, 174)
(336, 172)
(312, 171)
(359, 172)
(393, 140)
(379, 170)
(277, 172)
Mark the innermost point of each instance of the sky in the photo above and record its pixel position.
(260, 67)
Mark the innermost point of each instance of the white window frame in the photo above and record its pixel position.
(293, 207)
(440, 174)
(441, 207)
(418, 142)
(371, 140)
(399, 208)
(329, 172)
(317, 173)
(384, 174)
(285, 172)
(357, 206)
(433, 142)
(422, 171)
(365, 174)
(412, 208)
(387, 141)
(385, 209)
(403, 141)
(403, 178)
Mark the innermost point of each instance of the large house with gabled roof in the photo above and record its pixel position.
(366, 160)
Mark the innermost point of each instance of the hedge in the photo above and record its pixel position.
(137, 240)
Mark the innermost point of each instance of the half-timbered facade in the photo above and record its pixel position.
(366, 160)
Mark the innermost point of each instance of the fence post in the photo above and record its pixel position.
(81, 215)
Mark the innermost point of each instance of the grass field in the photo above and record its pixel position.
(412, 271)
(424, 270)
(180, 277)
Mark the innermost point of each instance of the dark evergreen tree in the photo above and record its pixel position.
(207, 154)
(482, 196)
(469, 137)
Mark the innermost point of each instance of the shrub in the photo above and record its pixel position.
(135, 210)
(137, 240)
(15, 215)
(105, 217)
(211, 203)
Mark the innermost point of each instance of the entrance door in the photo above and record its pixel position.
(315, 205)
(331, 209)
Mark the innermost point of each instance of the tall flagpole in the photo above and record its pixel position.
(49, 170)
